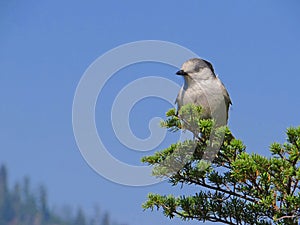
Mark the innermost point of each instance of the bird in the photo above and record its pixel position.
(202, 87)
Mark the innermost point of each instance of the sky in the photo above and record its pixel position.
(46, 47)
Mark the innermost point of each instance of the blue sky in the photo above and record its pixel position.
(46, 46)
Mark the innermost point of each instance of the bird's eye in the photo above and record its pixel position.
(197, 68)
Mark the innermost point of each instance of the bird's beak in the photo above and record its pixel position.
(181, 72)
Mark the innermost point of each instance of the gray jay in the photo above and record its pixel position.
(202, 87)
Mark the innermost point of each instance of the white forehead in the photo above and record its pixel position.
(194, 65)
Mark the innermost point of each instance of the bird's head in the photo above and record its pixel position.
(197, 69)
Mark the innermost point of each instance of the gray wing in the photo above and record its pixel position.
(225, 94)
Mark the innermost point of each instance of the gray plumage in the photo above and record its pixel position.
(202, 87)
